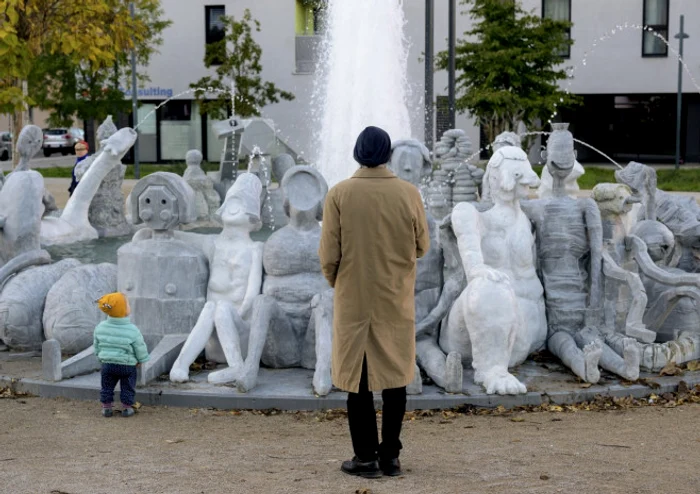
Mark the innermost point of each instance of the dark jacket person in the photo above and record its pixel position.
(374, 229)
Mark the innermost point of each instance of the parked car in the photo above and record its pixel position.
(5, 146)
(61, 139)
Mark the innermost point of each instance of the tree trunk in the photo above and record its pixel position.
(19, 120)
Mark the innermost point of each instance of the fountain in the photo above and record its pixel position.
(359, 84)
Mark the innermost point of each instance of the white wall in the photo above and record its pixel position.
(616, 66)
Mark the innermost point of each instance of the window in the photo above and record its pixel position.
(215, 30)
(310, 25)
(559, 10)
(656, 18)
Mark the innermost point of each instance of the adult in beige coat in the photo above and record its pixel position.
(374, 229)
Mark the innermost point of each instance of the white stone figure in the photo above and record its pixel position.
(570, 183)
(207, 200)
(235, 280)
(499, 319)
(73, 225)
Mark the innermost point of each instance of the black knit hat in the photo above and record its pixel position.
(373, 147)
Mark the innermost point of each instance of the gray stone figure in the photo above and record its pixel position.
(235, 261)
(499, 319)
(280, 165)
(679, 213)
(293, 280)
(20, 215)
(207, 200)
(569, 236)
(106, 213)
(73, 224)
(70, 312)
(410, 161)
(29, 142)
(456, 180)
(22, 304)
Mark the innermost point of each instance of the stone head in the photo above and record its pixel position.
(29, 141)
(106, 129)
(305, 191)
(614, 199)
(509, 175)
(241, 207)
(410, 160)
(658, 238)
(280, 165)
(506, 139)
(636, 176)
(560, 154)
(162, 201)
(193, 157)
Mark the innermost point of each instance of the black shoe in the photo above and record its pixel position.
(107, 412)
(391, 468)
(365, 469)
(128, 412)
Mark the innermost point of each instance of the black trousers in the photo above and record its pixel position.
(363, 421)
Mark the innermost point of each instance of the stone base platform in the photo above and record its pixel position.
(290, 389)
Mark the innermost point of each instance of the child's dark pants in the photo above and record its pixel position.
(125, 375)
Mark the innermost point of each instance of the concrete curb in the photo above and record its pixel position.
(432, 397)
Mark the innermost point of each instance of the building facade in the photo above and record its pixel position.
(627, 78)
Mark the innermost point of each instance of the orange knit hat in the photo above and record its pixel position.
(113, 304)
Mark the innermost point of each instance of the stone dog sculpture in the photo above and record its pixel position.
(499, 319)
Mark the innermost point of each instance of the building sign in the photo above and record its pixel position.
(150, 92)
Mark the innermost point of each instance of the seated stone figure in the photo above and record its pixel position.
(499, 319)
(207, 199)
(569, 236)
(235, 265)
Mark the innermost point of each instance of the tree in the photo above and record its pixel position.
(509, 67)
(68, 87)
(95, 31)
(236, 58)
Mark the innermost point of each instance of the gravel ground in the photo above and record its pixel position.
(60, 446)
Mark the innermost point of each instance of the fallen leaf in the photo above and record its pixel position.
(517, 419)
(363, 490)
(174, 441)
(544, 477)
(556, 408)
(694, 365)
(671, 369)
(586, 385)
(137, 405)
(650, 383)
(683, 388)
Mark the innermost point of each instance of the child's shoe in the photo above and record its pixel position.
(107, 411)
(128, 412)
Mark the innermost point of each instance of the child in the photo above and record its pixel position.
(119, 346)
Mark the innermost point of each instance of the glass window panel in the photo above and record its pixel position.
(656, 12)
(654, 45)
(559, 10)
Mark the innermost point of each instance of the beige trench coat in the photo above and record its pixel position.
(374, 229)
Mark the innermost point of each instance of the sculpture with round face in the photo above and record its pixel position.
(193, 157)
(241, 206)
(162, 200)
(410, 160)
(658, 239)
(29, 142)
(613, 199)
(560, 154)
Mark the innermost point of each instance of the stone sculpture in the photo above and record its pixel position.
(22, 304)
(70, 312)
(29, 142)
(235, 281)
(456, 180)
(570, 184)
(106, 213)
(570, 250)
(294, 288)
(280, 165)
(73, 225)
(207, 200)
(499, 318)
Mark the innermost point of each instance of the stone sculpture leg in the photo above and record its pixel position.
(583, 363)
(322, 323)
(261, 322)
(625, 366)
(229, 326)
(445, 370)
(195, 344)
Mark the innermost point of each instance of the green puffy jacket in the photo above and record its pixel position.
(117, 341)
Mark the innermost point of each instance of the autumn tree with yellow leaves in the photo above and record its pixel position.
(92, 34)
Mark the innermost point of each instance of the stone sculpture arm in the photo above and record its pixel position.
(329, 250)
(254, 287)
(467, 227)
(201, 241)
(450, 292)
(84, 165)
(639, 252)
(594, 226)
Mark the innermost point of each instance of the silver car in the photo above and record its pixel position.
(61, 140)
(5, 146)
